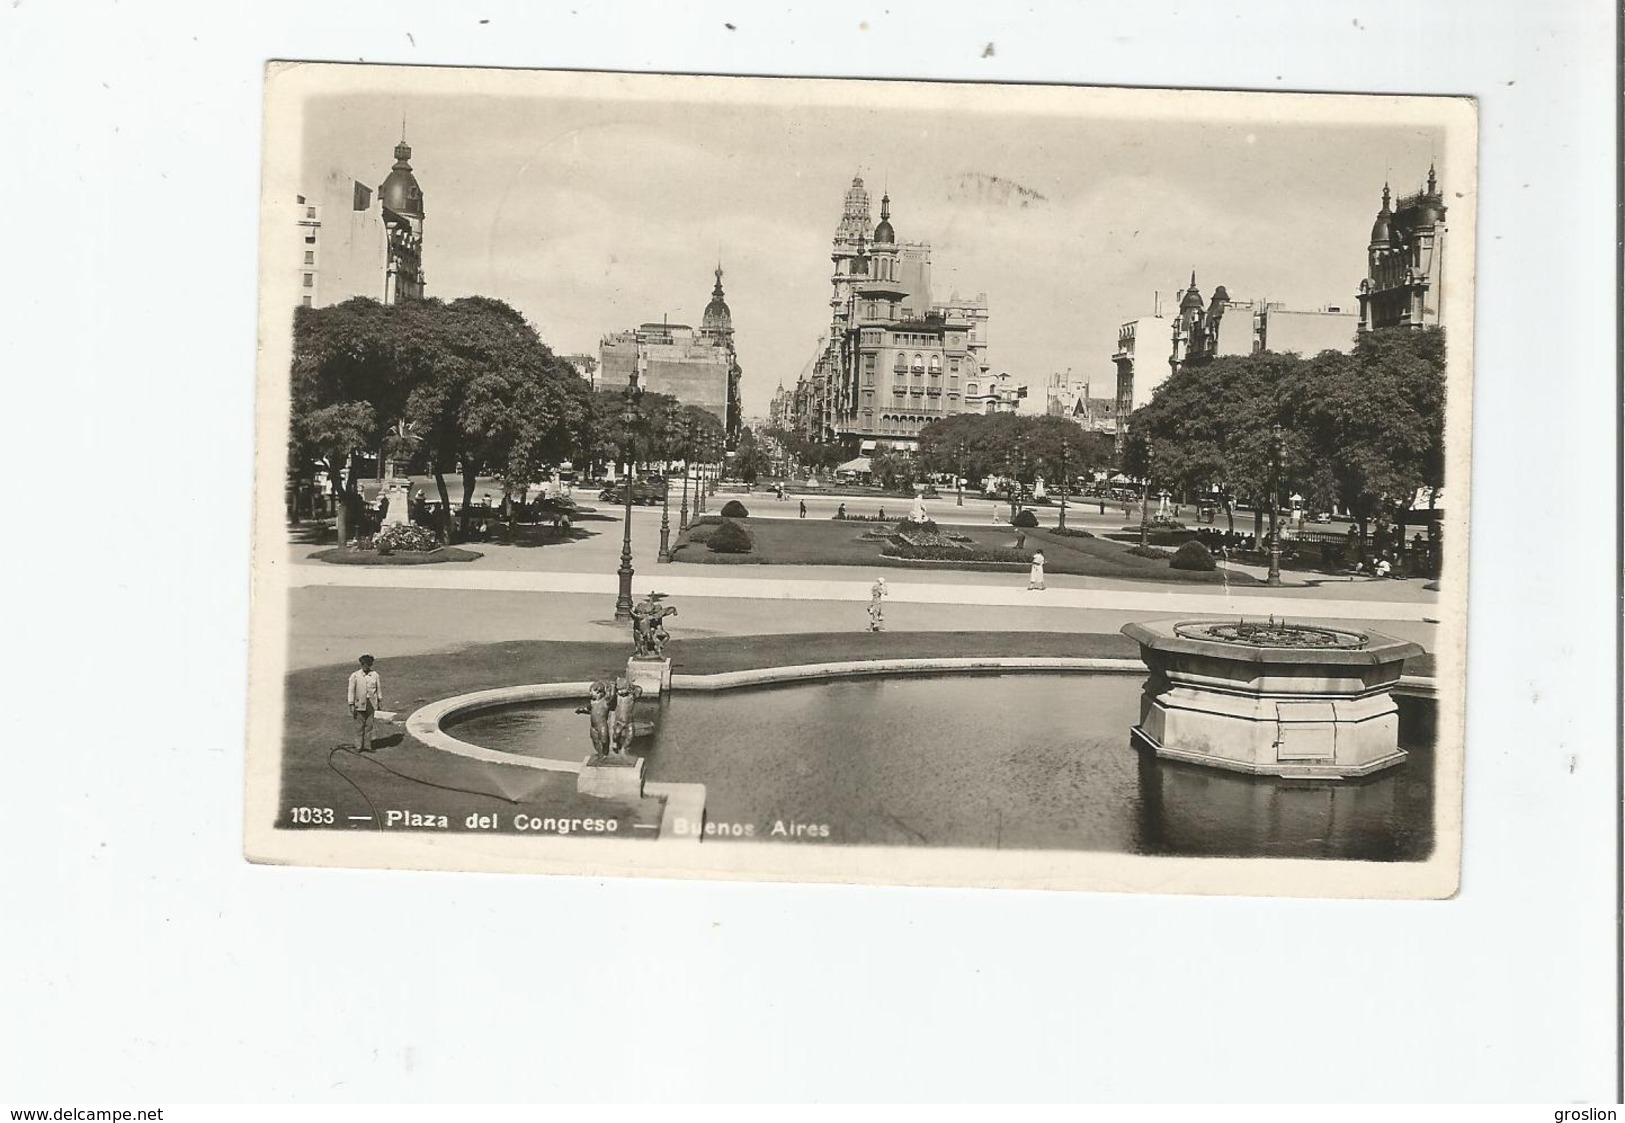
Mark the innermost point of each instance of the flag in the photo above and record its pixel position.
(363, 196)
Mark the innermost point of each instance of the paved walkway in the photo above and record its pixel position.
(842, 583)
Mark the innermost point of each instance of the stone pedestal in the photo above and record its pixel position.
(615, 777)
(653, 675)
(1301, 712)
(400, 502)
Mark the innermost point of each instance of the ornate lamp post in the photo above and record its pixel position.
(688, 468)
(1277, 454)
(668, 426)
(1145, 498)
(699, 476)
(629, 418)
(959, 477)
(1062, 522)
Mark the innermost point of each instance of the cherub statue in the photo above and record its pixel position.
(600, 699)
(626, 697)
(649, 633)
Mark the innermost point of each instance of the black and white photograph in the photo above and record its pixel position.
(885, 482)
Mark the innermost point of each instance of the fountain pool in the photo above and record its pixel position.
(1022, 761)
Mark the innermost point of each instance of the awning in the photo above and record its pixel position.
(856, 464)
(866, 446)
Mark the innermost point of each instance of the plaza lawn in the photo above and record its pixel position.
(840, 542)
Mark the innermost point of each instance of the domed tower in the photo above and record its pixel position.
(1382, 230)
(717, 329)
(878, 287)
(717, 324)
(402, 201)
(1189, 329)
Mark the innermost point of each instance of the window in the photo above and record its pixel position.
(305, 300)
(310, 257)
(310, 212)
(970, 389)
(310, 280)
(310, 239)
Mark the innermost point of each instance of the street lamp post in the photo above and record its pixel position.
(1062, 522)
(1277, 454)
(688, 467)
(959, 478)
(1145, 499)
(668, 423)
(629, 418)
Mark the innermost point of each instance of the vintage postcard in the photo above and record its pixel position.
(931, 484)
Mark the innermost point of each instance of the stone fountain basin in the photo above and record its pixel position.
(1311, 712)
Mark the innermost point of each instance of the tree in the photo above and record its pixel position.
(466, 382)
(345, 385)
(978, 444)
(750, 458)
(1376, 419)
(1211, 426)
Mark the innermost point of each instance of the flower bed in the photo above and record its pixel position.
(953, 552)
(1070, 532)
(1150, 552)
(405, 538)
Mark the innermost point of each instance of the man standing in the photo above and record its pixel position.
(366, 698)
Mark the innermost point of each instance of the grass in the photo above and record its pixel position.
(346, 556)
(832, 542)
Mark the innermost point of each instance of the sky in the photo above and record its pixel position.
(594, 215)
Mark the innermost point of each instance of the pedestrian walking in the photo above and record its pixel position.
(840, 512)
(877, 610)
(803, 513)
(1035, 577)
(365, 696)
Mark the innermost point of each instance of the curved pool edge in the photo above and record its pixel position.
(687, 800)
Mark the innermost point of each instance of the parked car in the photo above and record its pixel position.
(644, 493)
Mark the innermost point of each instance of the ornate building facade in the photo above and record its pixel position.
(893, 360)
(1404, 283)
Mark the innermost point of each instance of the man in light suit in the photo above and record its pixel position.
(366, 698)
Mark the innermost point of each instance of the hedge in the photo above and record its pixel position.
(1024, 518)
(730, 538)
(1192, 555)
(734, 509)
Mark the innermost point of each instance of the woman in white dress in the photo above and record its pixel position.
(1035, 579)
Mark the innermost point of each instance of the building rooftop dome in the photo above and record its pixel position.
(1192, 297)
(1382, 230)
(883, 233)
(717, 315)
(400, 192)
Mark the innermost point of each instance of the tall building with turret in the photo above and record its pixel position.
(1404, 283)
(401, 201)
(355, 241)
(893, 360)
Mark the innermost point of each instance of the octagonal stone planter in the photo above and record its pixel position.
(1302, 701)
